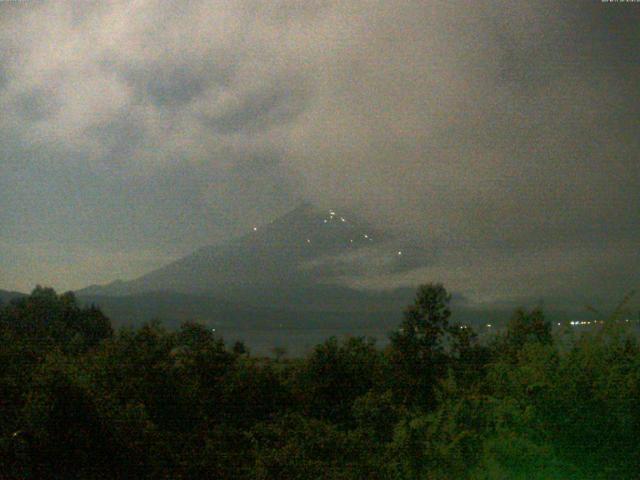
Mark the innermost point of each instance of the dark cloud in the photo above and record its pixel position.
(35, 105)
(4, 76)
(170, 85)
(119, 136)
(271, 105)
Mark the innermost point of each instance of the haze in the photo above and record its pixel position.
(500, 139)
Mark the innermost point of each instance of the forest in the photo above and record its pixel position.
(80, 399)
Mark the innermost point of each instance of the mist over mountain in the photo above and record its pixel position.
(295, 261)
(293, 272)
(287, 272)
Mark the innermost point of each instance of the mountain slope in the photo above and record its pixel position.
(276, 264)
(6, 296)
(174, 308)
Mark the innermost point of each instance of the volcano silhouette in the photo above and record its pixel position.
(280, 264)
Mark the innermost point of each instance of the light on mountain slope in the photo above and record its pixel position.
(341, 220)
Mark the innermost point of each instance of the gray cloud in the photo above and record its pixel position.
(271, 105)
(34, 105)
(498, 142)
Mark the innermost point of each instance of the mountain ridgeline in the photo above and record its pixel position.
(281, 272)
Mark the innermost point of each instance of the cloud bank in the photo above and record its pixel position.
(501, 139)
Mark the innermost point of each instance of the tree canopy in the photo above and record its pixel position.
(79, 400)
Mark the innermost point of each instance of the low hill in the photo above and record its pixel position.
(173, 308)
(6, 296)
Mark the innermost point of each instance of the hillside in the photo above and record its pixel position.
(174, 308)
(278, 272)
(6, 296)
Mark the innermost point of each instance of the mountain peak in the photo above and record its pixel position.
(285, 254)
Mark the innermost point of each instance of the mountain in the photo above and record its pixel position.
(287, 263)
(281, 274)
(174, 308)
(6, 296)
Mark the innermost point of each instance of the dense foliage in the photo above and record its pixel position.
(78, 400)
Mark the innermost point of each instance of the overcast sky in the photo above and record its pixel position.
(501, 137)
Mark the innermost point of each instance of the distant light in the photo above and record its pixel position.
(213, 329)
(255, 229)
(558, 323)
(366, 236)
(488, 325)
(399, 252)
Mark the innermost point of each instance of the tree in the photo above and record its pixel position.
(239, 348)
(64, 433)
(335, 375)
(469, 358)
(279, 353)
(524, 327)
(57, 320)
(417, 347)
